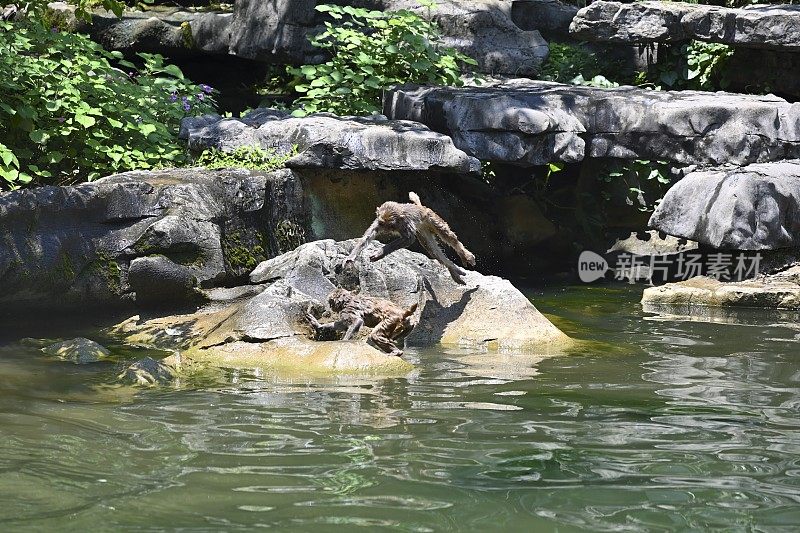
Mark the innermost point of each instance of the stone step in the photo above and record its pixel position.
(526, 122)
(775, 27)
(750, 208)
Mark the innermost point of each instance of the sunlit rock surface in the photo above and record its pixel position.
(527, 122)
(758, 26)
(776, 291)
(750, 208)
(264, 326)
(327, 141)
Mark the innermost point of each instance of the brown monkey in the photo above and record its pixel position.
(390, 322)
(415, 221)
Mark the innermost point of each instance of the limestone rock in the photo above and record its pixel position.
(80, 351)
(528, 122)
(277, 32)
(140, 236)
(327, 141)
(267, 328)
(162, 30)
(778, 291)
(749, 208)
(775, 27)
(485, 31)
(548, 17)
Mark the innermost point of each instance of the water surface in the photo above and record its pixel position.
(660, 425)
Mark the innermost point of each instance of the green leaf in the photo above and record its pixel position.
(39, 136)
(147, 129)
(85, 120)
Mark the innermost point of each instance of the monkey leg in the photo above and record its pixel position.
(448, 237)
(383, 335)
(428, 242)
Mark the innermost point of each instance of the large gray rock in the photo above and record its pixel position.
(153, 237)
(751, 208)
(278, 31)
(485, 31)
(548, 17)
(267, 328)
(327, 141)
(164, 30)
(529, 122)
(774, 27)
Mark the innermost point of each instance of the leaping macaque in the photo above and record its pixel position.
(390, 322)
(415, 221)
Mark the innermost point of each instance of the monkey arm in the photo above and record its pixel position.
(355, 325)
(401, 242)
(368, 236)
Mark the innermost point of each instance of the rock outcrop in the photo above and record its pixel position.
(690, 297)
(162, 30)
(264, 326)
(277, 32)
(548, 17)
(326, 141)
(527, 122)
(750, 208)
(775, 27)
(144, 237)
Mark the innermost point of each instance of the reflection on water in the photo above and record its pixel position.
(656, 425)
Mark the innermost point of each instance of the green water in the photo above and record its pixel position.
(666, 426)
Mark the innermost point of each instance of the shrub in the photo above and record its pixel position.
(68, 114)
(372, 50)
(248, 157)
(697, 65)
(568, 61)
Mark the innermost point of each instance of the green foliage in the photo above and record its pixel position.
(640, 179)
(697, 65)
(704, 62)
(68, 114)
(248, 157)
(568, 61)
(372, 50)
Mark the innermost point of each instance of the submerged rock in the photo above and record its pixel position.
(144, 237)
(528, 122)
(328, 141)
(149, 371)
(751, 208)
(758, 26)
(80, 351)
(268, 329)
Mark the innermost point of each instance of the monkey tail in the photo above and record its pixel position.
(410, 311)
(414, 198)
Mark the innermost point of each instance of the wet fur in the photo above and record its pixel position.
(412, 222)
(390, 322)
